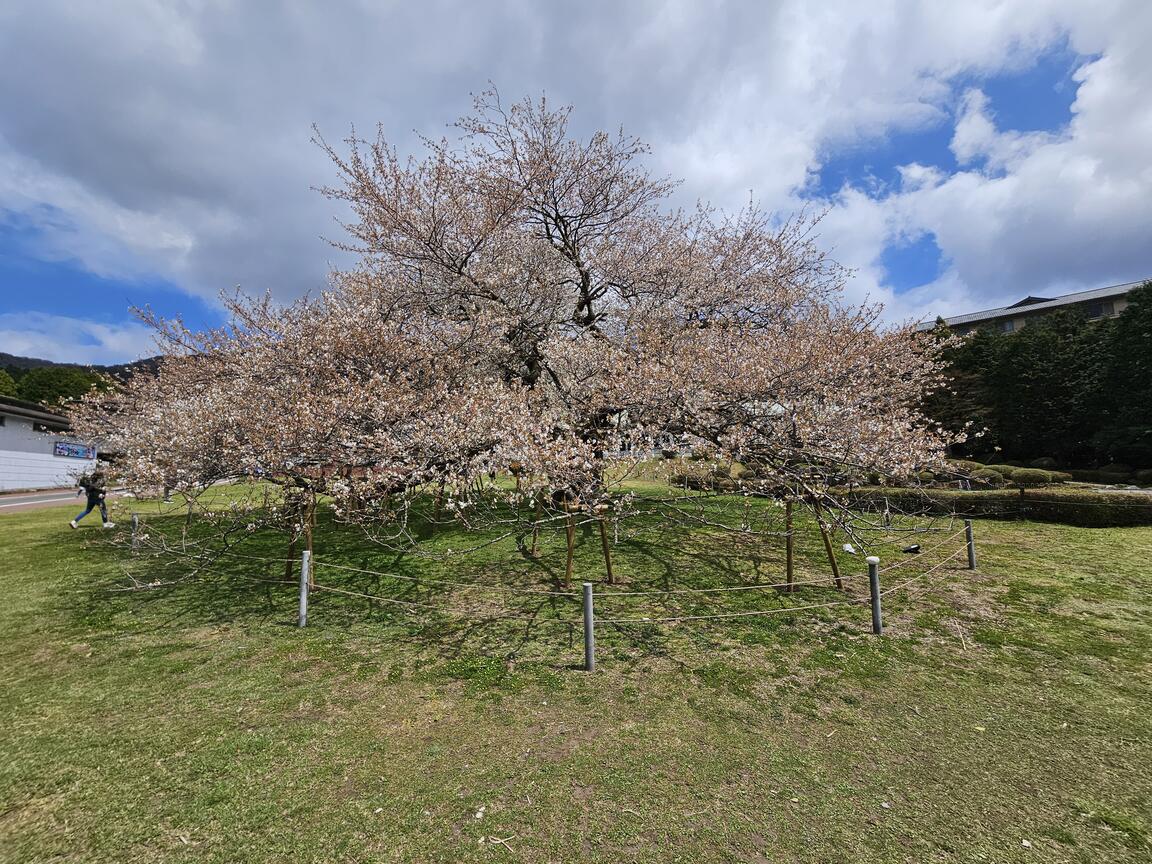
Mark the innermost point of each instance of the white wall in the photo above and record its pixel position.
(27, 461)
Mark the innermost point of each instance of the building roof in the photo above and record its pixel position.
(32, 411)
(1029, 301)
(1038, 304)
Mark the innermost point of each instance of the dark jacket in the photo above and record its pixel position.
(95, 491)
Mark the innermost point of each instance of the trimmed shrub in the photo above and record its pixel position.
(1031, 477)
(1100, 476)
(1060, 476)
(752, 469)
(1080, 507)
(1012, 463)
(1116, 468)
(1045, 463)
(988, 477)
(707, 477)
(925, 476)
(688, 480)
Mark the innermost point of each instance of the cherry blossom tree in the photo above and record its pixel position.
(341, 397)
(526, 301)
(626, 320)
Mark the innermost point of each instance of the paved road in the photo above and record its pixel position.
(37, 500)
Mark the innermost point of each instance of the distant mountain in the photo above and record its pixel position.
(16, 365)
(15, 362)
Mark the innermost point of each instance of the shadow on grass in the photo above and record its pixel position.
(445, 602)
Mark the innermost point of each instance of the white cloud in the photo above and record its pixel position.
(1035, 212)
(173, 140)
(73, 340)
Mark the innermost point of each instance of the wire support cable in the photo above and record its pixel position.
(927, 572)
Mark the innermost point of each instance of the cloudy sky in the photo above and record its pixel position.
(968, 153)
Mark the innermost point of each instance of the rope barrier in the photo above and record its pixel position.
(908, 561)
(479, 585)
(610, 594)
(409, 603)
(319, 587)
(727, 614)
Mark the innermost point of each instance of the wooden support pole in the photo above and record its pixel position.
(828, 546)
(788, 545)
(570, 530)
(536, 522)
(439, 505)
(607, 551)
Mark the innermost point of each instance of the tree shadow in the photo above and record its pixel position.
(493, 601)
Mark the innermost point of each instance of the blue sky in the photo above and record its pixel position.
(1037, 98)
(965, 160)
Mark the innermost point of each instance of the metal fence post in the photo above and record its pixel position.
(971, 544)
(589, 631)
(305, 569)
(874, 591)
(135, 533)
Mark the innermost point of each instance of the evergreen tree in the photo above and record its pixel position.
(1125, 393)
(52, 385)
(1063, 386)
(967, 400)
(1044, 382)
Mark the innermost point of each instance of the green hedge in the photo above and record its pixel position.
(1098, 476)
(1064, 506)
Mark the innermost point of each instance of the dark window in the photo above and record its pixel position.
(1007, 326)
(1098, 308)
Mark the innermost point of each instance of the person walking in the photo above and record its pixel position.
(94, 487)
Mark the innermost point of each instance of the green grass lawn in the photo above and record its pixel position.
(1004, 716)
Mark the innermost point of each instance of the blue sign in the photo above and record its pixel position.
(73, 451)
